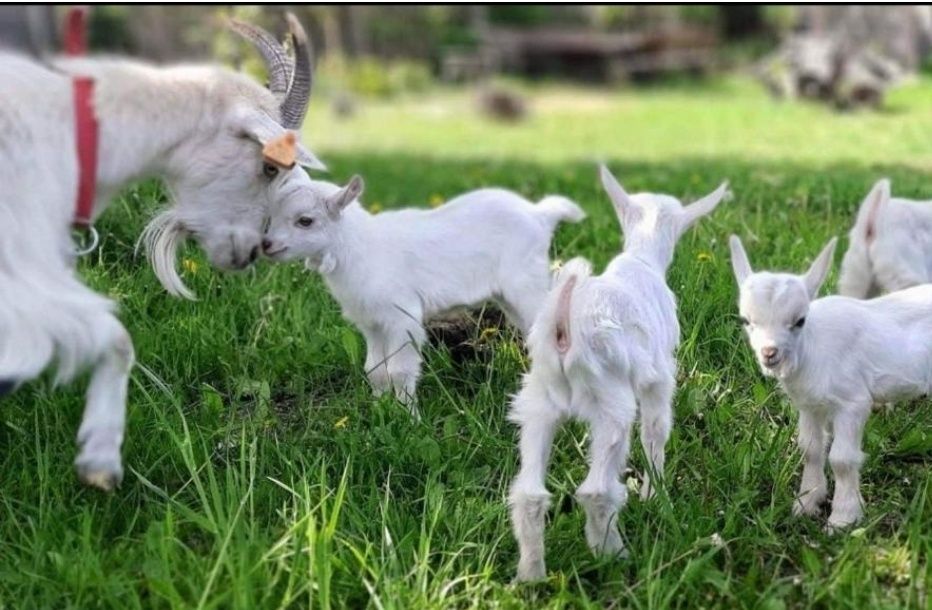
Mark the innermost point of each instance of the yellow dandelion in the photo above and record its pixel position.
(341, 423)
(190, 266)
(703, 257)
(436, 200)
(375, 207)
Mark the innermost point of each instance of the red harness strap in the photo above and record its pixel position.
(85, 121)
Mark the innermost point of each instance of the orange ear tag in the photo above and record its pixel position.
(281, 151)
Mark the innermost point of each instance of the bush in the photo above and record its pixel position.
(373, 78)
(410, 76)
(369, 78)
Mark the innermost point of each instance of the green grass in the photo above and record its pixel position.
(261, 473)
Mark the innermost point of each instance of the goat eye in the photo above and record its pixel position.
(800, 322)
(269, 170)
(744, 321)
(304, 222)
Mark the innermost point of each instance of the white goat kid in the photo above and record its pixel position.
(834, 357)
(392, 271)
(890, 245)
(203, 130)
(601, 349)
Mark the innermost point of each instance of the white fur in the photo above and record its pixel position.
(602, 348)
(846, 355)
(393, 270)
(890, 245)
(200, 128)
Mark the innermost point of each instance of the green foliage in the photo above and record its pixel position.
(414, 31)
(701, 14)
(521, 14)
(410, 76)
(262, 473)
(370, 77)
(780, 17)
(109, 30)
(641, 16)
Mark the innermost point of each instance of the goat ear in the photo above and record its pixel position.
(880, 192)
(739, 259)
(308, 159)
(258, 126)
(620, 199)
(819, 269)
(337, 202)
(876, 199)
(702, 207)
(264, 130)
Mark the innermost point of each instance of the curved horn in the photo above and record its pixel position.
(277, 62)
(294, 106)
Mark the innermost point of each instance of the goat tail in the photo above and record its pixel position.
(856, 276)
(161, 238)
(555, 209)
(554, 326)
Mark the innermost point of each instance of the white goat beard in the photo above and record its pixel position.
(161, 238)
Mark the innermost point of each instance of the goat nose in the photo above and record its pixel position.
(266, 245)
(769, 352)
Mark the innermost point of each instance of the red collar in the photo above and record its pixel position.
(86, 136)
(85, 121)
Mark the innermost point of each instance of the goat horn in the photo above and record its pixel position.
(277, 62)
(294, 106)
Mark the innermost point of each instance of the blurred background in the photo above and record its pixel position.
(573, 81)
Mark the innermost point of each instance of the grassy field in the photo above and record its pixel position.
(261, 473)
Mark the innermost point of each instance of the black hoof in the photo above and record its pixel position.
(6, 387)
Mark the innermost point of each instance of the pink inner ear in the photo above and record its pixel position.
(871, 223)
(563, 338)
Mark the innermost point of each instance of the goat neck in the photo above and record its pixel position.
(354, 246)
(654, 250)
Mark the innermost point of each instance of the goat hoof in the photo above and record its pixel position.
(611, 546)
(533, 572)
(7, 386)
(838, 525)
(413, 411)
(834, 529)
(100, 474)
(806, 508)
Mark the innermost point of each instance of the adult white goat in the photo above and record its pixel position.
(890, 245)
(203, 130)
(602, 348)
(393, 270)
(834, 357)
